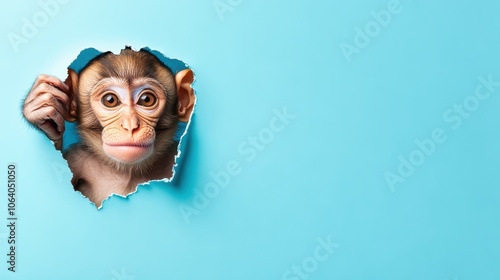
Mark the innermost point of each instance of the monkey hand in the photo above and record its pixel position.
(47, 106)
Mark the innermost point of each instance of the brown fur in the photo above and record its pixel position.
(97, 175)
(128, 65)
(124, 141)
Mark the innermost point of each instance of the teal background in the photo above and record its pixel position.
(323, 175)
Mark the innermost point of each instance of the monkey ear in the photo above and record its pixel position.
(72, 83)
(185, 93)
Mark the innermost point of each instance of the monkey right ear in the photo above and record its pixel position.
(185, 94)
(72, 83)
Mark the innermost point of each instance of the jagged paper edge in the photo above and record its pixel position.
(177, 156)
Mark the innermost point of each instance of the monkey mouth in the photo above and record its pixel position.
(128, 152)
(130, 144)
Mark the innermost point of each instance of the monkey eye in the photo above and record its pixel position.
(147, 99)
(110, 100)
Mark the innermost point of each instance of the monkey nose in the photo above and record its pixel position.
(130, 124)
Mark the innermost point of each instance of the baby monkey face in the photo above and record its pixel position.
(128, 111)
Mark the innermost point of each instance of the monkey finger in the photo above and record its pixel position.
(41, 79)
(44, 101)
(29, 111)
(48, 88)
(50, 130)
(60, 95)
(61, 108)
(58, 119)
(53, 97)
(50, 114)
(54, 81)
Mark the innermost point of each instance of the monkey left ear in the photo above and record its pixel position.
(185, 93)
(72, 82)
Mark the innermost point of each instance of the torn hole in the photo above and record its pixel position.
(124, 117)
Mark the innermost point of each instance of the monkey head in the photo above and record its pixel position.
(127, 107)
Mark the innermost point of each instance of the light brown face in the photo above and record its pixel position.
(128, 113)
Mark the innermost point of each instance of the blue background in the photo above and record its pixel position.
(321, 177)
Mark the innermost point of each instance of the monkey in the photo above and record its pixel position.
(125, 111)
